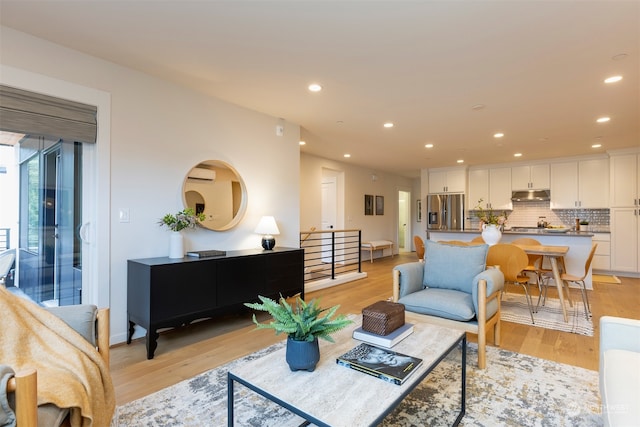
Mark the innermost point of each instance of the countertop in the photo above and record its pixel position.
(530, 231)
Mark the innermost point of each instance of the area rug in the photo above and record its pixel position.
(602, 278)
(549, 316)
(514, 390)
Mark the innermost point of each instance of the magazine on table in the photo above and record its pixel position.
(383, 363)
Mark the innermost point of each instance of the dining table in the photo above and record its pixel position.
(553, 253)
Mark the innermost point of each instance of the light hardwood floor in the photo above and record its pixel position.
(188, 351)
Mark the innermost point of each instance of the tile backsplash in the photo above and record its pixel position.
(525, 214)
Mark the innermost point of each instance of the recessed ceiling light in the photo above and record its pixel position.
(596, 146)
(517, 155)
(303, 143)
(460, 161)
(388, 125)
(498, 135)
(613, 79)
(315, 87)
(347, 155)
(603, 119)
(428, 145)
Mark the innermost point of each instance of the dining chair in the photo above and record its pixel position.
(419, 244)
(535, 261)
(478, 239)
(579, 280)
(512, 261)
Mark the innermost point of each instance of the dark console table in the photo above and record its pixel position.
(165, 292)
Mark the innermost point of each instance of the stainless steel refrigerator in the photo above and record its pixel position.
(445, 212)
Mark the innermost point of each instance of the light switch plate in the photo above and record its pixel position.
(123, 214)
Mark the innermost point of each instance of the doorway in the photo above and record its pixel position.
(404, 224)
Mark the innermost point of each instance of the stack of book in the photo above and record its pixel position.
(386, 341)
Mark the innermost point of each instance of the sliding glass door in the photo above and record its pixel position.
(50, 218)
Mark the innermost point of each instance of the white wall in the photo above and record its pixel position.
(158, 131)
(358, 182)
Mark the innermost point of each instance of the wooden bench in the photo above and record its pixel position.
(374, 245)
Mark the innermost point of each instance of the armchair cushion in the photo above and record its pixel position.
(446, 303)
(620, 370)
(495, 283)
(410, 277)
(452, 266)
(81, 318)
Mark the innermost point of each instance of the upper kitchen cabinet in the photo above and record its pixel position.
(581, 184)
(447, 180)
(493, 186)
(530, 177)
(625, 180)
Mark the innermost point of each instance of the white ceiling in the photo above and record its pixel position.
(537, 66)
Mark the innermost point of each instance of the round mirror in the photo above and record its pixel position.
(216, 189)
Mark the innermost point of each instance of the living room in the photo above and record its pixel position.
(151, 132)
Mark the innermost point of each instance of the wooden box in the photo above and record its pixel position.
(383, 317)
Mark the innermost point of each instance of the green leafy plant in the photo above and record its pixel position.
(488, 217)
(183, 219)
(584, 222)
(302, 321)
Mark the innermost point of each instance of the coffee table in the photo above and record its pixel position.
(334, 395)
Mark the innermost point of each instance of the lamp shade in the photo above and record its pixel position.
(267, 225)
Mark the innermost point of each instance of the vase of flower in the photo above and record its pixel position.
(183, 220)
(176, 245)
(491, 234)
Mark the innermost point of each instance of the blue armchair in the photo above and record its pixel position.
(453, 288)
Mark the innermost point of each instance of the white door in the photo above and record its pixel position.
(404, 216)
(329, 216)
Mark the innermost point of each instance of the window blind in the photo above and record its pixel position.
(32, 113)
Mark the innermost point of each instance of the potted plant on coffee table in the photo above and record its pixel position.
(303, 322)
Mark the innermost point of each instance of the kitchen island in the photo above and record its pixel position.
(579, 243)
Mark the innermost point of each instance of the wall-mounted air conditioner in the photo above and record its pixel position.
(201, 174)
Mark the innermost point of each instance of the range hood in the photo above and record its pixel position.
(531, 196)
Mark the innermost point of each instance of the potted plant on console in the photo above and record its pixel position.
(176, 223)
(303, 322)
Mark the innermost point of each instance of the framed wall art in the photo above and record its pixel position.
(368, 204)
(419, 210)
(379, 205)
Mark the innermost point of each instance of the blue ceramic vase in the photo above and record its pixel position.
(302, 355)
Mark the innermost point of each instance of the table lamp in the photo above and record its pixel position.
(267, 227)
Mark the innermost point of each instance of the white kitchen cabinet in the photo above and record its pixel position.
(625, 212)
(493, 186)
(625, 235)
(479, 188)
(448, 181)
(602, 257)
(625, 180)
(530, 177)
(582, 184)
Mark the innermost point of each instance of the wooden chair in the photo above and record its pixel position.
(419, 244)
(478, 239)
(512, 260)
(579, 280)
(408, 279)
(535, 261)
(24, 383)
